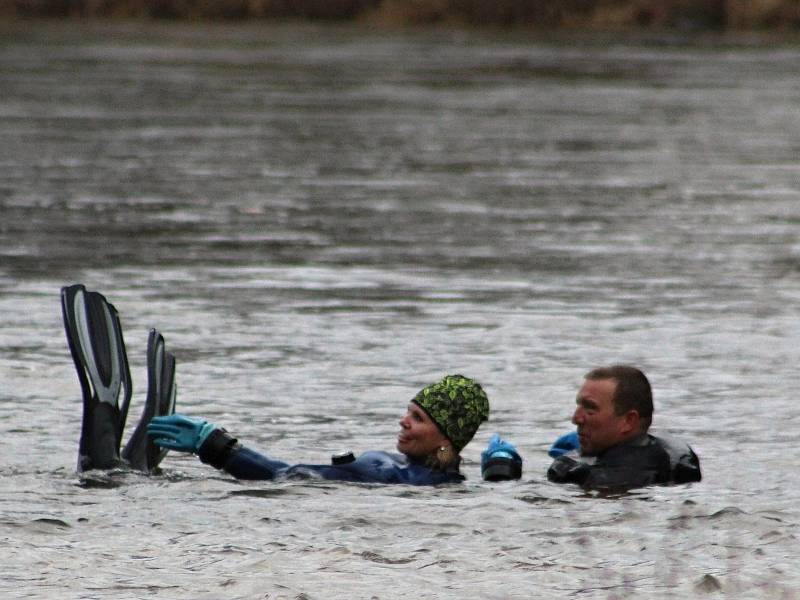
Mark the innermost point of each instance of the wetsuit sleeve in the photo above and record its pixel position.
(217, 448)
(566, 469)
(224, 452)
(244, 463)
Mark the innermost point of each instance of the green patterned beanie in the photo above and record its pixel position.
(458, 405)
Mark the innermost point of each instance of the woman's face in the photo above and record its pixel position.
(419, 436)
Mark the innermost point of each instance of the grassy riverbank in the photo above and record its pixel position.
(564, 14)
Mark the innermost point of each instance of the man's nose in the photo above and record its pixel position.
(577, 416)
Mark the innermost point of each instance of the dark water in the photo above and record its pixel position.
(321, 220)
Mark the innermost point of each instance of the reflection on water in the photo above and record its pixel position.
(321, 220)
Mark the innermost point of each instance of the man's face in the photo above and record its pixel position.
(598, 427)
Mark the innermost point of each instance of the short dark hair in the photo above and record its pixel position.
(633, 391)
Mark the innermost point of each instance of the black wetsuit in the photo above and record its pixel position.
(645, 460)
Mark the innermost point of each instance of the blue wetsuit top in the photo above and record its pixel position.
(224, 452)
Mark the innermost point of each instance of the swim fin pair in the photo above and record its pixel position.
(94, 335)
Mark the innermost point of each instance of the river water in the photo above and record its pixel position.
(321, 221)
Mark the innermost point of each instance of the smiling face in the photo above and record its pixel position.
(419, 436)
(599, 427)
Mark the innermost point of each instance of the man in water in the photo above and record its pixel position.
(612, 449)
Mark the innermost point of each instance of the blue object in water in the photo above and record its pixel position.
(500, 461)
(566, 443)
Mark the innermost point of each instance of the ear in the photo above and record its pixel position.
(630, 422)
(445, 443)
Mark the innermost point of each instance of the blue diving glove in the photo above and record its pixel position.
(500, 460)
(179, 432)
(565, 443)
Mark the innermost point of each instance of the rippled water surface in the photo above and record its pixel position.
(322, 220)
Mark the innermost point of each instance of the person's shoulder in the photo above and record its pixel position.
(674, 446)
(684, 462)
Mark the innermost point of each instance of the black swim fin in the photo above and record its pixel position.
(140, 452)
(95, 340)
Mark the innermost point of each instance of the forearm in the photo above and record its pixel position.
(222, 451)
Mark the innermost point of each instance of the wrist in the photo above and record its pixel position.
(205, 430)
(216, 448)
